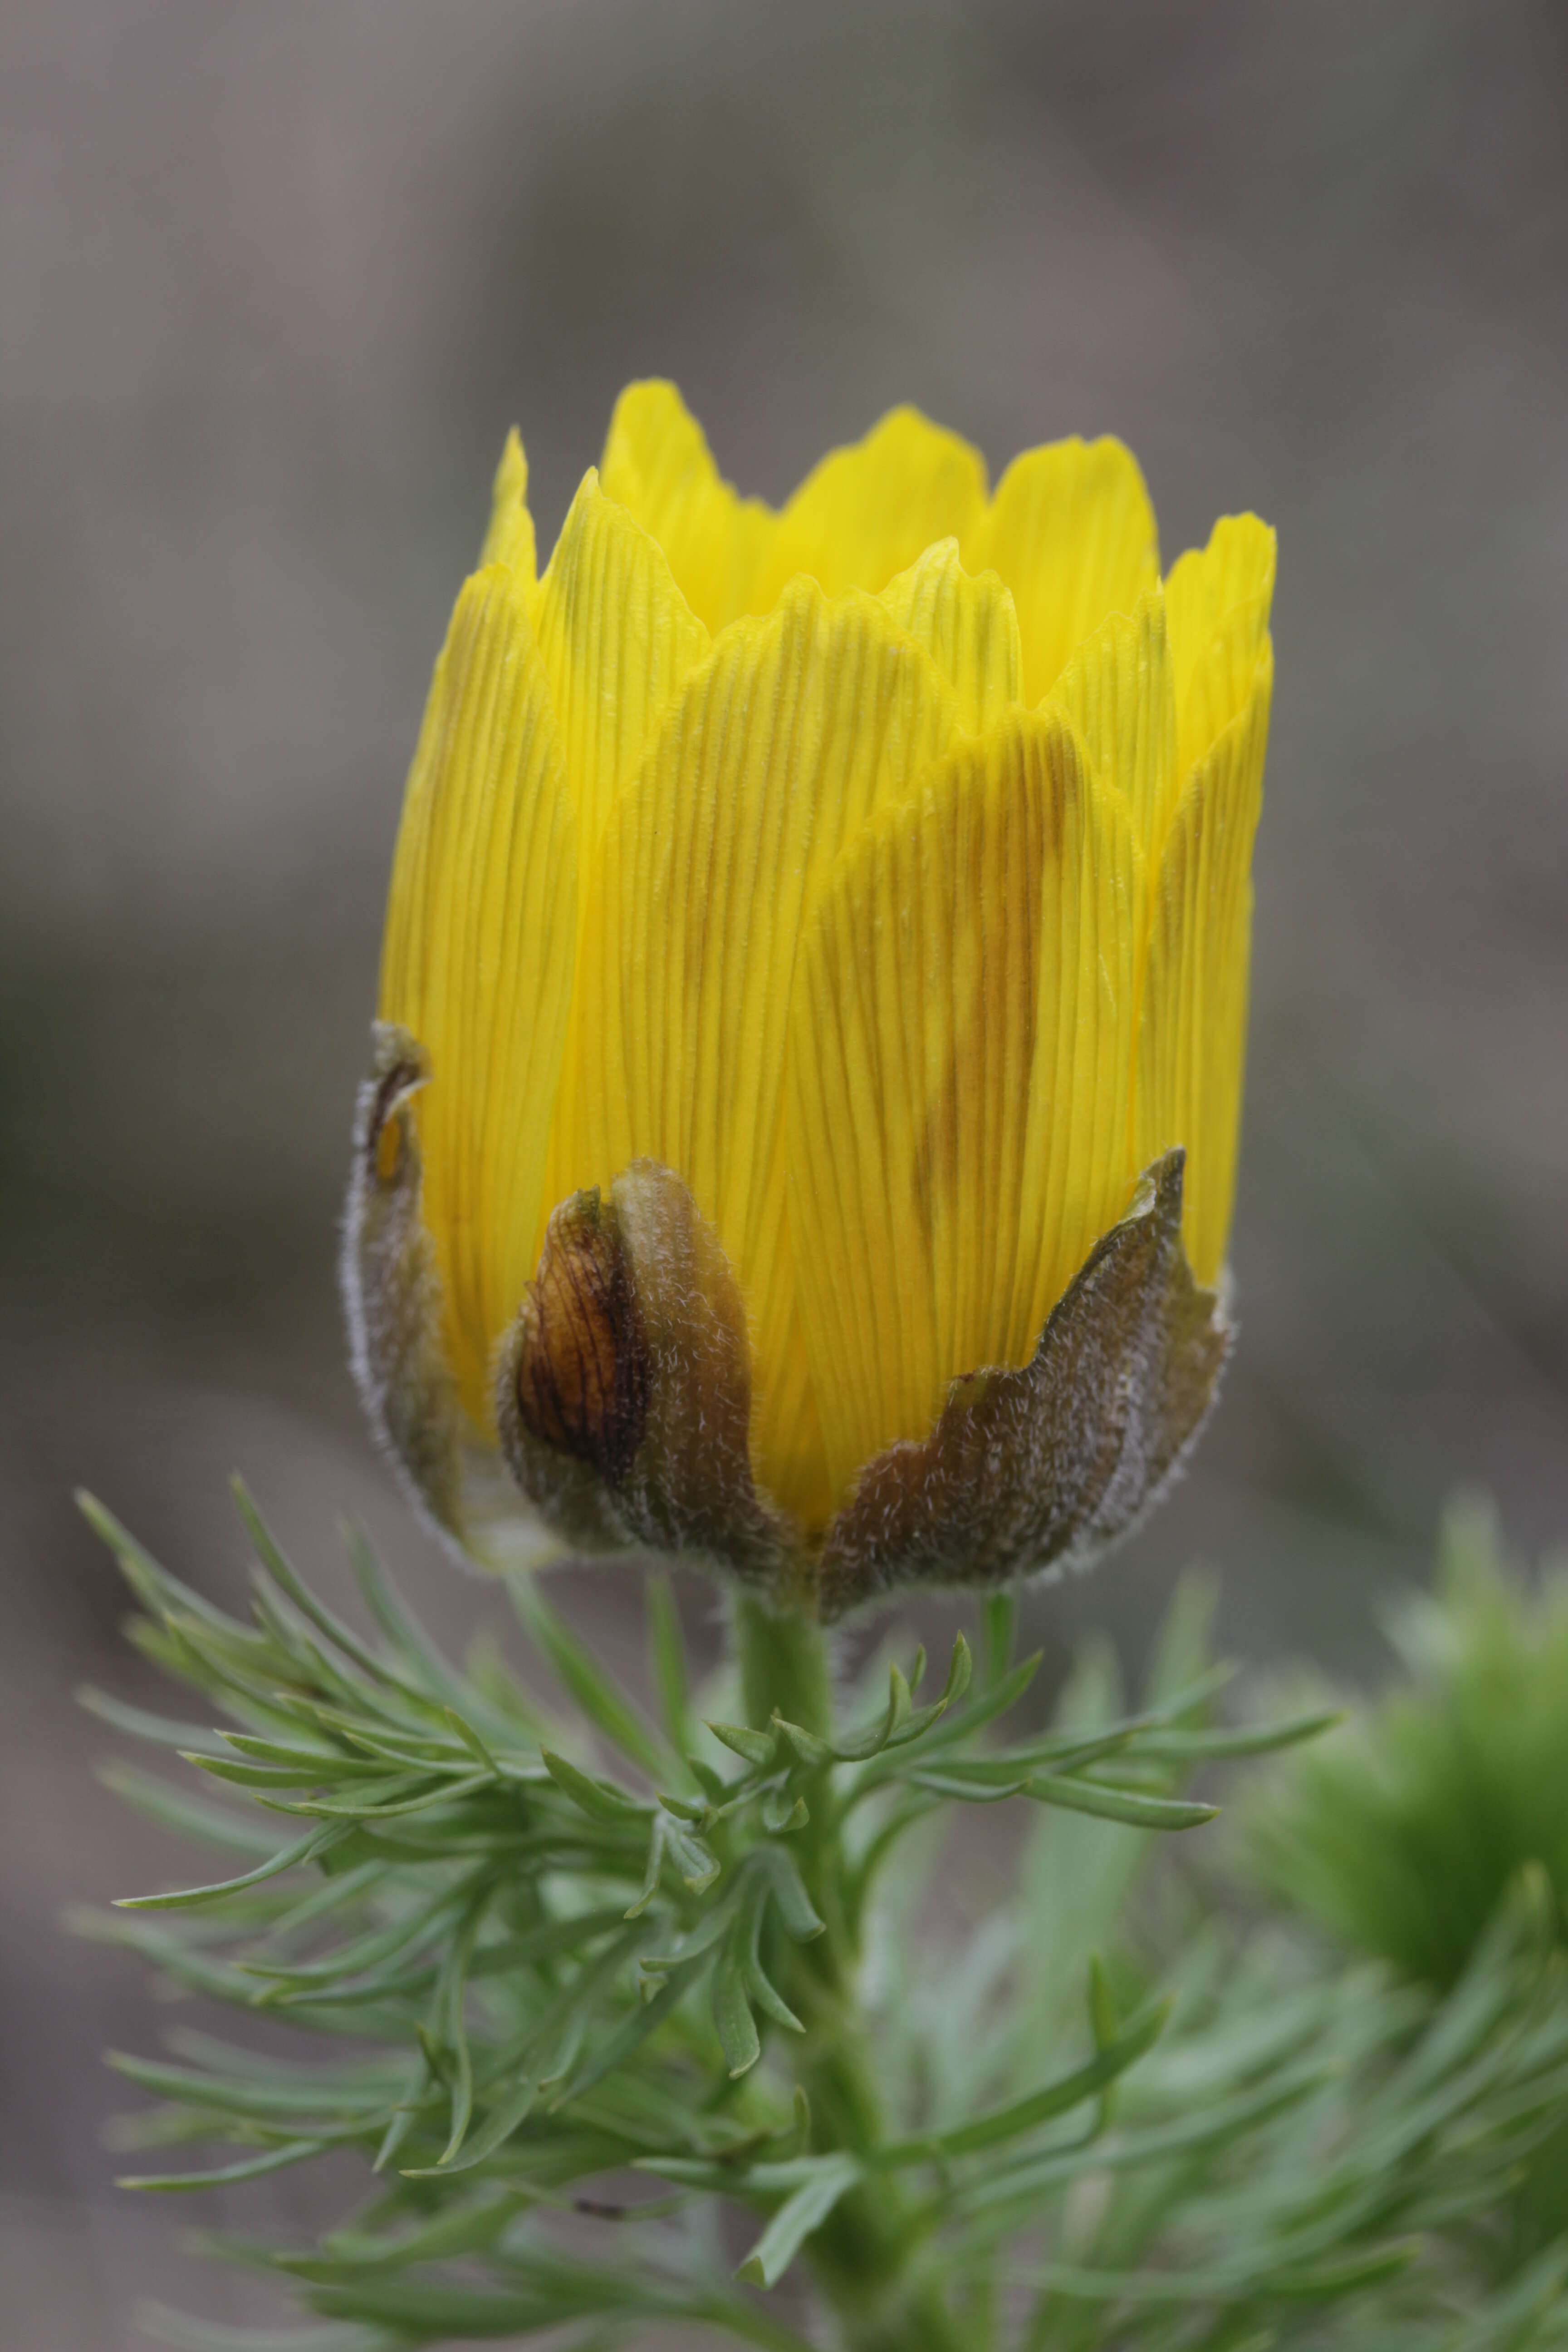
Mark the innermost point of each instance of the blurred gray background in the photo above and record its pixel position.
(274, 279)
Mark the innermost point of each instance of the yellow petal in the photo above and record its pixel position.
(776, 750)
(1217, 601)
(657, 463)
(1193, 1029)
(866, 512)
(961, 1034)
(477, 962)
(967, 625)
(509, 538)
(617, 636)
(1119, 692)
(1072, 533)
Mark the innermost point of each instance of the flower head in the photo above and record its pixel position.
(804, 1118)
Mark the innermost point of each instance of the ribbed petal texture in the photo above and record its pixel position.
(957, 1132)
(1072, 532)
(879, 867)
(1193, 1032)
(968, 625)
(616, 637)
(478, 958)
(778, 750)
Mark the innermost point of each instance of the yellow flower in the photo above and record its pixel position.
(828, 915)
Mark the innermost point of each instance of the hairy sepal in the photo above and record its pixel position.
(623, 1387)
(397, 1321)
(1043, 1467)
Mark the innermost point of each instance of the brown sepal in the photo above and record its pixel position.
(1044, 1466)
(623, 1389)
(582, 1372)
(392, 1287)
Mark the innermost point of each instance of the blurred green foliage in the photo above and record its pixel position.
(1402, 1834)
(645, 2020)
(1401, 1831)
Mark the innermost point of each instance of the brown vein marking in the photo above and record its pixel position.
(405, 1075)
(581, 1373)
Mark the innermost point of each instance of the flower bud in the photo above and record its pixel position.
(802, 1126)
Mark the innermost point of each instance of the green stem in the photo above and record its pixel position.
(866, 2254)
